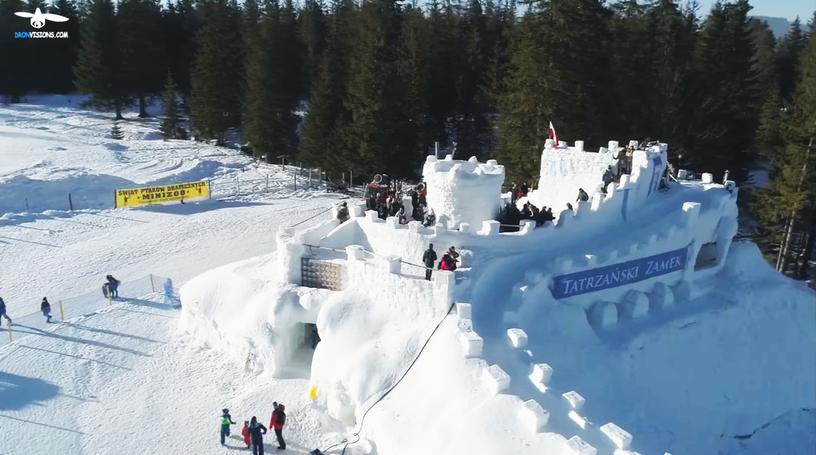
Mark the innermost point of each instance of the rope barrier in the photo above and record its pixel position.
(356, 434)
(312, 217)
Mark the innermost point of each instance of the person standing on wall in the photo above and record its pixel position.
(277, 422)
(45, 307)
(3, 313)
(429, 259)
(256, 432)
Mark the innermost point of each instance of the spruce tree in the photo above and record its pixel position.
(98, 67)
(215, 99)
(380, 137)
(726, 99)
(179, 24)
(141, 48)
(790, 202)
(322, 144)
(273, 84)
(171, 117)
(312, 30)
(788, 56)
(13, 81)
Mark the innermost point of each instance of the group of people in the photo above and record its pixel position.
(110, 288)
(45, 308)
(382, 196)
(518, 191)
(253, 430)
(448, 262)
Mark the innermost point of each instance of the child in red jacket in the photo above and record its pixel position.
(245, 433)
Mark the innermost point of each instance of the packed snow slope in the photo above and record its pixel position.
(119, 378)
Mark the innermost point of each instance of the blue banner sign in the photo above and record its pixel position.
(611, 276)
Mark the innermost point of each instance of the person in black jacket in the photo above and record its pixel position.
(256, 432)
(3, 313)
(582, 195)
(429, 259)
(45, 307)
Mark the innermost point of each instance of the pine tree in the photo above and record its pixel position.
(171, 118)
(98, 67)
(215, 99)
(141, 48)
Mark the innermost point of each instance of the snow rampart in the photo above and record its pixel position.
(565, 170)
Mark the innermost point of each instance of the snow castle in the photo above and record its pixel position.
(602, 266)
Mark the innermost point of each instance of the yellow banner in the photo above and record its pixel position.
(178, 192)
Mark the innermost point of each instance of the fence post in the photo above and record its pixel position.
(310, 178)
(70, 202)
(62, 312)
(267, 183)
(152, 284)
(295, 182)
(26, 199)
(237, 184)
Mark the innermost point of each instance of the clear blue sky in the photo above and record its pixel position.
(775, 8)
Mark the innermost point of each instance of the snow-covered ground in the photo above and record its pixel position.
(119, 379)
(729, 371)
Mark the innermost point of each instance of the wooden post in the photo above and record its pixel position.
(26, 199)
(70, 202)
(62, 312)
(267, 183)
(152, 284)
(310, 178)
(295, 182)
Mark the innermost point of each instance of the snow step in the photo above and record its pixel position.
(540, 377)
(463, 310)
(575, 399)
(579, 420)
(498, 380)
(580, 447)
(517, 337)
(472, 344)
(534, 415)
(620, 437)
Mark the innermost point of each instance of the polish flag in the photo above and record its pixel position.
(552, 134)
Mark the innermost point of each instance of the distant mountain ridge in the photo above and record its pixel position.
(778, 25)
